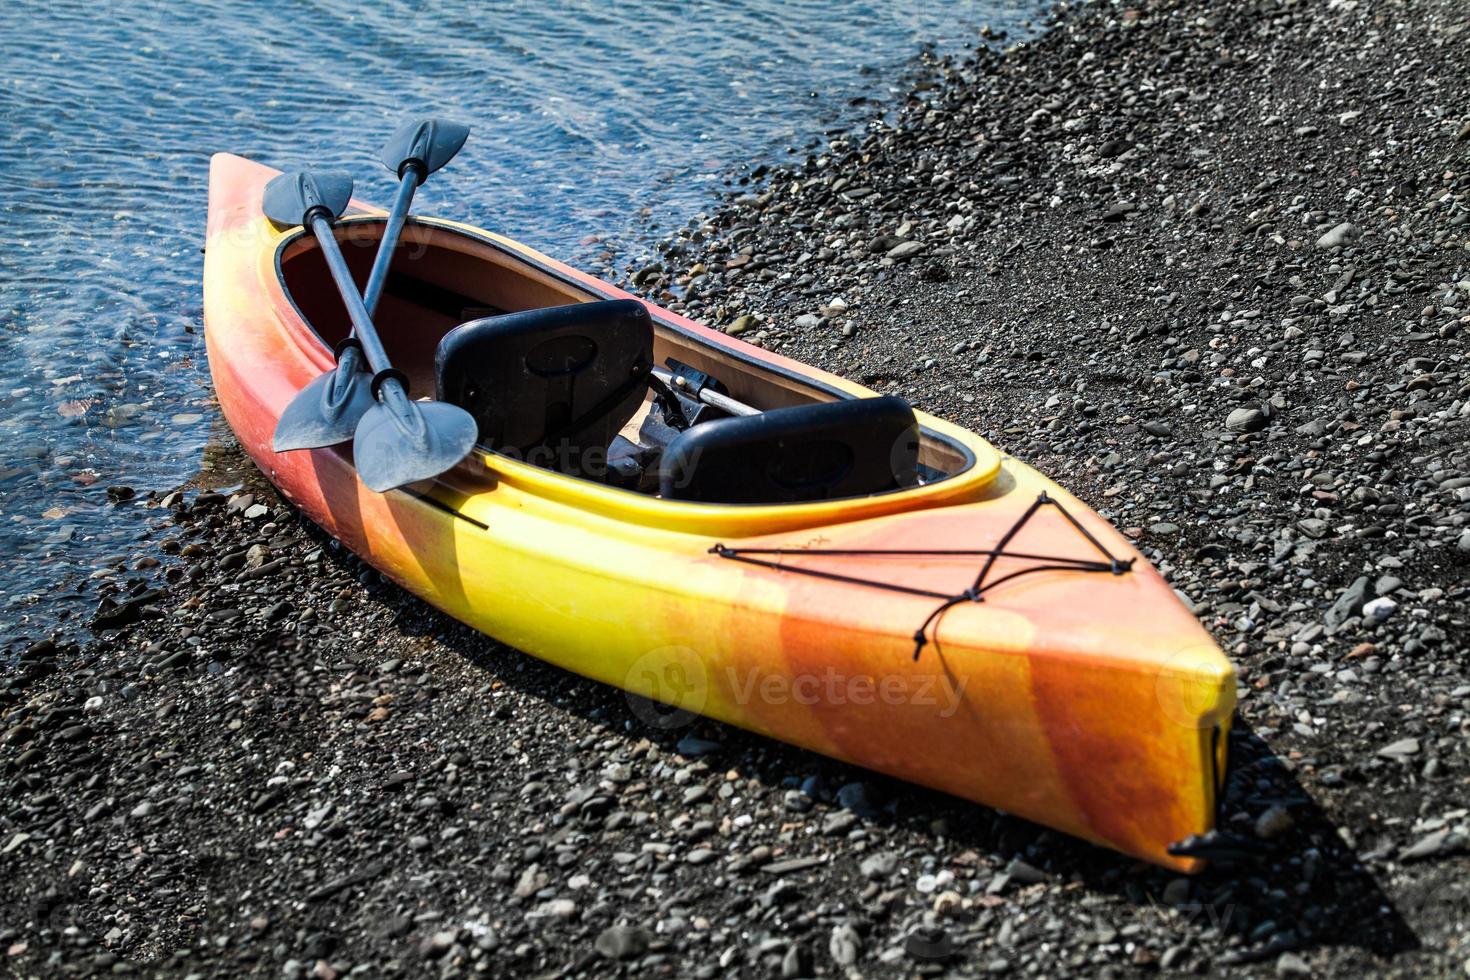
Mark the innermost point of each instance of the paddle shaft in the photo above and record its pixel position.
(408, 182)
(362, 321)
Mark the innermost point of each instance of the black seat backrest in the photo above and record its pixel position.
(546, 385)
(849, 448)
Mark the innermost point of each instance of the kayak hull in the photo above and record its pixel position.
(1092, 703)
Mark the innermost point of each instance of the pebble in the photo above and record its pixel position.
(1274, 822)
(1436, 844)
(1380, 609)
(1401, 749)
(879, 865)
(905, 250)
(845, 945)
(1246, 420)
(1340, 235)
(1348, 603)
(693, 747)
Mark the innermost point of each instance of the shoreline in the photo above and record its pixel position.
(1186, 261)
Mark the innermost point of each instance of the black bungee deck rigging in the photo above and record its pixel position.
(983, 583)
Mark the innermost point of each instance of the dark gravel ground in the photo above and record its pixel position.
(1204, 263)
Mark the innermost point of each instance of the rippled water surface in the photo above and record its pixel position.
(590, 119)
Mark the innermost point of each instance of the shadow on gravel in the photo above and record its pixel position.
(1307, 890)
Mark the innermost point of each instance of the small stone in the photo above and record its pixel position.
(879, 865)
(439, 943)
(1401, 749)
(1274, 822)
(692, 747)
(796, 963)
(622, 942)
(742, 323)
(1348, 603)
(904, 250)
(1289, 964)
(556, 908)
(1442, 841)
(948, 903)
(1380, 609)
(1176, 892)
(928, 884)
(859, 798)
(1246, 420)
(1026, 874)
(1343, 234)
(1313, 527)
(796, 801)
(845, 945)
(929, 944)
(839, 822)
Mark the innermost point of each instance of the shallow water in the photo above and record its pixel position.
(591, 121)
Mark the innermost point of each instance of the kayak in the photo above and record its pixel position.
(739, 535)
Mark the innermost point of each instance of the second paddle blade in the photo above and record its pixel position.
(395, 448)
(327, 411)
(428, 143)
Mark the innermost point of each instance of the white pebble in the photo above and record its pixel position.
(1379, 609)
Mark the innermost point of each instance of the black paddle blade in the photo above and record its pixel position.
(428, 143)
(290, 199)
(401, 441)
(327, 411)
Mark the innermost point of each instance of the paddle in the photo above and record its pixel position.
(328, 410)
(398, 441)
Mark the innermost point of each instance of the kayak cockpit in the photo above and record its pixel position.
(560, 376)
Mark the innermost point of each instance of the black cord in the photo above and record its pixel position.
(975, 593)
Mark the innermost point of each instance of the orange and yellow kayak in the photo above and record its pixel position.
(983, 633)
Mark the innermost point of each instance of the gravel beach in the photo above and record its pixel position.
(1205, 264)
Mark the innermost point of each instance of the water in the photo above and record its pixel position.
(595, 124)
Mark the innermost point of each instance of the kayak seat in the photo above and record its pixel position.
(826, 451)
(550, 386)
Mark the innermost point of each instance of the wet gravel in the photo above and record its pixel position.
(1204, 264)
